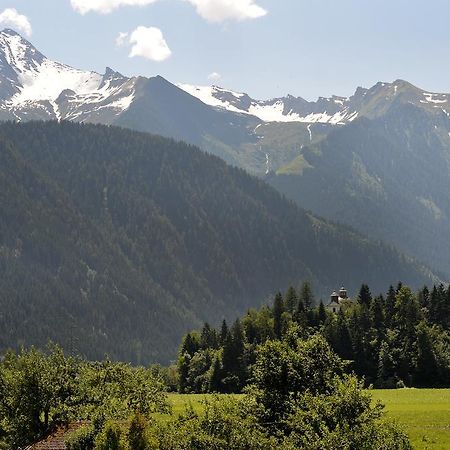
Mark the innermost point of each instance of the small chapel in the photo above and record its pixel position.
(337, 300)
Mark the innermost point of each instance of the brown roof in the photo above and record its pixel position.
(55, 440)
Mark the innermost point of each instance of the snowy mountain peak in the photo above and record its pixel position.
(17, 52)
(32, 85)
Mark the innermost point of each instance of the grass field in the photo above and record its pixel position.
(424, 413)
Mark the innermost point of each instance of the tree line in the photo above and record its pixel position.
(393, 340)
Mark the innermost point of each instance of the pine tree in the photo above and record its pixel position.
(439, 306)
(322, 314)
(301, 315)
(215, 381)
(208, 337)
(364, 296)
(306, 295)
(277, 311)
(377, 313)
(390, 306)
(424, 298)
(223, 333)
(183, 373)
(426, 365)
(290, 300)
(191, 344)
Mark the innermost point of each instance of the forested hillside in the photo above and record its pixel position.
(117, 241)
(387, 176)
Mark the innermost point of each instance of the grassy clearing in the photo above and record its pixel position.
(424, 413)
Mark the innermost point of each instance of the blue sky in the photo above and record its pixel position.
(302, 47)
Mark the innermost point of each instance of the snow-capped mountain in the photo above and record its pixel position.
(33, 86)
(334, 110)
(258, 135)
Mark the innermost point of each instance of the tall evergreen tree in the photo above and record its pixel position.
(321, 314)
(390, 306)
(277, 311)
(426, 364)
(306, 295)
(364, 296)
(208, 337)
(215, 381)
(290, 300)
(191, 344)
(223, 332)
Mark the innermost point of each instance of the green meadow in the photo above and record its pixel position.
(424, 413)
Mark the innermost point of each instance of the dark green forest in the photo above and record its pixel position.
(119, 242)
(394, 340)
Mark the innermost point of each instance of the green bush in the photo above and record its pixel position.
(110, 438)
(81, 439)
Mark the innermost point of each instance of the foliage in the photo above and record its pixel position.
(38, 391)
(298, 400)
(285, 369)
(81, 439)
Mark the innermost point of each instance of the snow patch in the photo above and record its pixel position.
(434, 98)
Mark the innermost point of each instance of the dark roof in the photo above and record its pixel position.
(55, 440)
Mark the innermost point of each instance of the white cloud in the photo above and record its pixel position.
(224, 10)
(214, 76)
(11, 18)
(105, 6)
(122, 39)
(147, 42)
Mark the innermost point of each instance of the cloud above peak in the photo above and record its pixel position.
(11, 18)
(105, 6)
(147, 42)
(228, 10)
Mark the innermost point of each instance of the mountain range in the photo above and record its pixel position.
(377, 160)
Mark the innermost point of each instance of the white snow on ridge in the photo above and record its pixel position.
(50, 79)
(434, 98)
(40, 79)
(267, 111)
(206, 95)
(271, 113)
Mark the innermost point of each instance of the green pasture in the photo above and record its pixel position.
(424, 413)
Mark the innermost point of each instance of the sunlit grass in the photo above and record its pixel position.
(424, 413)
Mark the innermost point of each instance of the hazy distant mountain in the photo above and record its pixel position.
(119, 242)
(388, 176)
